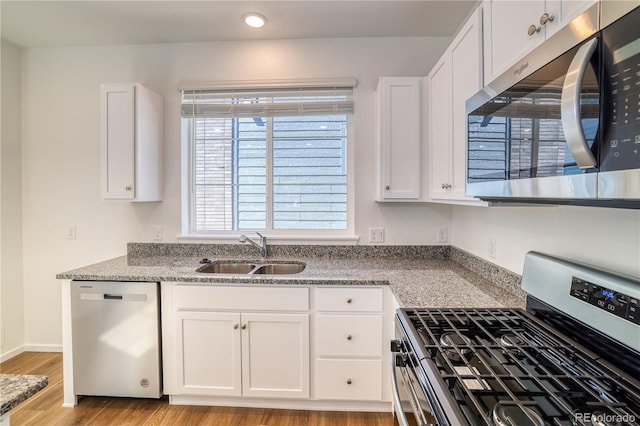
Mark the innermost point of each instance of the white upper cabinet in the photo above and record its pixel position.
(131, 142)
(513, 28)
(399, 133)
(455, 78)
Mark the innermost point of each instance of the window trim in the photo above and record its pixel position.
(187, 214)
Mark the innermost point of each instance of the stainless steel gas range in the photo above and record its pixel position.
(571, 358)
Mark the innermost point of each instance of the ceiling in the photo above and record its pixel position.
(111, 22)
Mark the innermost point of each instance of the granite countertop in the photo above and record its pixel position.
(15, 388)
(416, 282)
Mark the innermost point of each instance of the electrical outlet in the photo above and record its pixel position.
(376, 235)
(157, 234)
(492, 248)
(443, 234)
(71, 232)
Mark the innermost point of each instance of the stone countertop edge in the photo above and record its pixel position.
(16, 388)
(432, 281)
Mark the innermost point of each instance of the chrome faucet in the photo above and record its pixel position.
(262, 246)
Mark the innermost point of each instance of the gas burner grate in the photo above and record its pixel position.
(507, 358)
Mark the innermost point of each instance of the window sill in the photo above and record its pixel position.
(283, 239)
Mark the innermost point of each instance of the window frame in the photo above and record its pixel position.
(187, 198)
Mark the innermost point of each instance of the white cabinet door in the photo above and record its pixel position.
(455, 78)
(400, 138)
(506, 35)
(466, 78)
(131, 142)
(208, 353)
(275, 355)
(507, 23)
(440, 126)
(118, 141)
(615, 9)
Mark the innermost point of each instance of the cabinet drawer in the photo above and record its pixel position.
(349, 299)
(241, 298)
(354, 379)
(348, 335)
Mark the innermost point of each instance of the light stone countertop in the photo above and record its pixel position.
(424, 283)
(15, 388)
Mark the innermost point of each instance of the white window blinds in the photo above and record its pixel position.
(273, 102)
(270, 158)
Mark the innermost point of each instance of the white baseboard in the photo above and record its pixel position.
(10, 354)
(42, 348)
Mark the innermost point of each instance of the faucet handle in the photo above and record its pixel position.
(243, 238)
(261, 236)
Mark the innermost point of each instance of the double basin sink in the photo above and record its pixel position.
(251, 268)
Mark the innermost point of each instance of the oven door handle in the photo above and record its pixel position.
(402, 418)
(570, 106)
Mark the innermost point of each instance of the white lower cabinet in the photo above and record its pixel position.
(349, 343)
(208, 355)
(350, 379)
(250, 354)
(235, 341)
(275, 355)
(276, 346)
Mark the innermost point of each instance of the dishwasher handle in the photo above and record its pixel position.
(112, 296)
(127, 297)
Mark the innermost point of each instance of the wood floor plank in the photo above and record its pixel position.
(45, 407)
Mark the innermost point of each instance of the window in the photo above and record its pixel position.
(273, 160)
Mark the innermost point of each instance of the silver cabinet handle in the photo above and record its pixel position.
(387, 187)
(349, 337)
(235, 326)
(533, 29)
(244, 326)
(127, 188)
(349, 300)
(546, 18)
(349, 381)
(570, 106)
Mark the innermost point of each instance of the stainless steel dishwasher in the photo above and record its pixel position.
(116, 339)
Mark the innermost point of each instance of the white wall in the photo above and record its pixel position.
(61, 162)
(11, 289)
(608, 238)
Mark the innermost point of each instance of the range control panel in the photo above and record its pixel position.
(619, 304)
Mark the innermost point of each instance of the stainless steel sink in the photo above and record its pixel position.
(280, 268)
(251, 268)
(227, 268)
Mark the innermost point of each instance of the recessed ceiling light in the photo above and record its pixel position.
(255, 20)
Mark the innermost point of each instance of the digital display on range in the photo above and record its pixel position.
(616, 303)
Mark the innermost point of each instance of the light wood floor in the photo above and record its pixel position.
(45, 407)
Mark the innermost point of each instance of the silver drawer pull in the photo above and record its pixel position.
(349, 337)
(235, 326)
(533, 29)
(349, 300)
(349, 381)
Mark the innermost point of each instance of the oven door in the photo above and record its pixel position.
(411, 406)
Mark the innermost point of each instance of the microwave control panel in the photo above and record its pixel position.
(619, 304)
(621, 84)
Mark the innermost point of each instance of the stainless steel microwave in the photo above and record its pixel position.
(563, 125)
